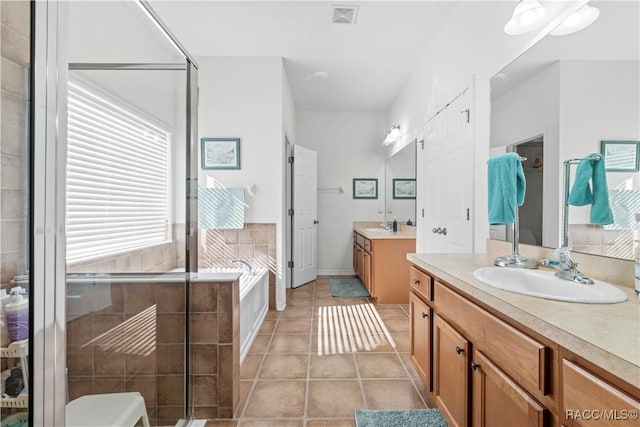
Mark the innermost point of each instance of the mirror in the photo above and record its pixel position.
(573, 92)
(400, 185)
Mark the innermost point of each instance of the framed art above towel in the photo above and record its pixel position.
(220, 153)
(621, 156)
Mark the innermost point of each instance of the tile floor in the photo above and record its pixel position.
(285, 383)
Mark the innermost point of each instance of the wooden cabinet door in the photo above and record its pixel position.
(451, 373)
(366, 267)
(355, 257)
(498, 401)
(588, 400)
(420, 334)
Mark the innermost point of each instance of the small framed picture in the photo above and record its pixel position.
(621, 156)
(404, 188)
(220, 153)
(365, 188)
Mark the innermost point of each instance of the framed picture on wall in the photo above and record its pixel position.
(220, 153)
(621, 156)
(404, 188)
(365, 188)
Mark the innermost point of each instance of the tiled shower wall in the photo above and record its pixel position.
(256, 243)
(14, 162)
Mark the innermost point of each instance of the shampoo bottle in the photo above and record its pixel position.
(4, 332)
(395, 225)
(17, 316)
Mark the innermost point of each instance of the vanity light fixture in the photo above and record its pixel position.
(526, 16)
(392, 136)
(577, 21)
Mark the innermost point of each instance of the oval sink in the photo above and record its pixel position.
(544, 284)
(377, 230)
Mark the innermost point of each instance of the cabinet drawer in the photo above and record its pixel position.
(421, 283)
(360, 239)
(587, 400)
(520, 356)
(367, 245)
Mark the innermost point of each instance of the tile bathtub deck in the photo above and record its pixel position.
(285, 382)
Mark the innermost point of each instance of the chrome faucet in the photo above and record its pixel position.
(385, 225)
(566, 268)
(245, 264)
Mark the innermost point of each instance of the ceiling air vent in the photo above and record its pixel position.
(344, 14)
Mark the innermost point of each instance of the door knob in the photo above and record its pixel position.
(444, 231)
(435, 231)
(315, 221)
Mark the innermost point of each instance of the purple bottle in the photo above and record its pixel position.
(17, 317)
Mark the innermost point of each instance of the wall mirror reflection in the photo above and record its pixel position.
(400, 167)
(573, 92)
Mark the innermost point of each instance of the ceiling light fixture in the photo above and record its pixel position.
(526, 16)
(579, 20)
(392, 136)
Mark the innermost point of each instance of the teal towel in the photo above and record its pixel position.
(507, 186)
(592, 169)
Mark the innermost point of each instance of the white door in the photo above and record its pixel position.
(305, 216)
(448, 180)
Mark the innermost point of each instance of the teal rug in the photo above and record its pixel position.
(351, 287)
(400, 418)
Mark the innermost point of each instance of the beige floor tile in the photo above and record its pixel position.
(267, 327)
(332, 366)
(271, 423)
(284, 366)
(302, 301)
(380, 365)
(260, 344)
(391, 313)
(331, 423)
(391, 394)
(221, 423)
(296, 313)
(397, 325)
(272, 315)
(277, 399)
(294, 326)
(250, 366)
(333, 399)
(355, 300)
(289, 343)
(245, 389)
(403, 342)
(326, 301)
(406, 359)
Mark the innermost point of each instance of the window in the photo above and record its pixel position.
(117, 178)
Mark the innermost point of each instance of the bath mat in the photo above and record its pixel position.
(400, 418)
(351, 287)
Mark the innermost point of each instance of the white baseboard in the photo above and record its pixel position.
(336, 273)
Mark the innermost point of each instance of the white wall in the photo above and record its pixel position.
(243, 98)
(348, 146)
(522, 114)
(471, 48)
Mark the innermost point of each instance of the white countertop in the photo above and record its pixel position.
(608, 335)
(404, 231)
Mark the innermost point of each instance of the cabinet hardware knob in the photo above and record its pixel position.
(474, 365)
(424, 315)
(459, 350)
(416, 282)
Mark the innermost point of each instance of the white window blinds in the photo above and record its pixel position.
(117, 178)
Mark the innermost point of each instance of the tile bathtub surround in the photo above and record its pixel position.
(597, 240)
(14, 122)
(256, 243)
(285, 382)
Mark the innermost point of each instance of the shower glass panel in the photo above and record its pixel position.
(127, 214)
(15, 219)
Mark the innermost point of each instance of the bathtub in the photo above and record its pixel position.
(254, 303)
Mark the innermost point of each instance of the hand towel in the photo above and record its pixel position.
(507, 186)
(592, 169)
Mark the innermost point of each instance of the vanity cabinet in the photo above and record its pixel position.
(382, 266)
(485, 371)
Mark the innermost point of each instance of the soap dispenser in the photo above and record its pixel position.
(395, 225)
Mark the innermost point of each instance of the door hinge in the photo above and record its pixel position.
(290, 264)
(421, 142)
(290, 212)
(290, 159)
(422, 213)
(467, 214)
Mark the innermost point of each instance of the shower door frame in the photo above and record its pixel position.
(48, 138)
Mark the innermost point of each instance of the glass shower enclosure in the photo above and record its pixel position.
(116, 142)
